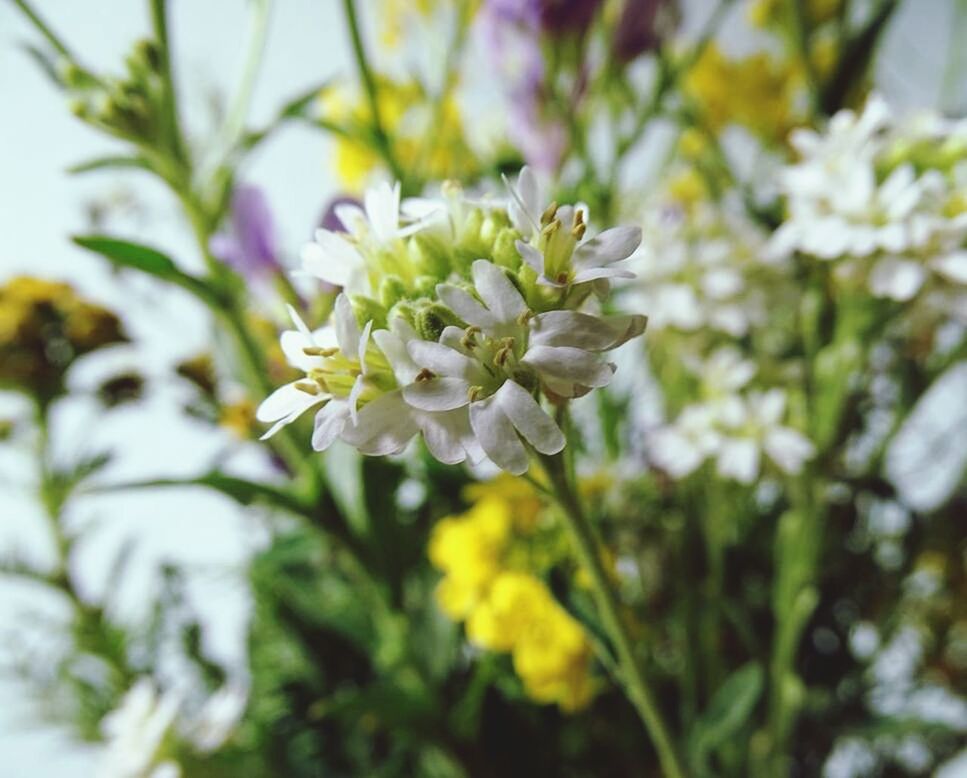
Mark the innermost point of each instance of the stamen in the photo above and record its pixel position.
(525, 317)
(307, 387)
(425, 375)
(469, 339)
(562, 277)
(474, 392)
(549, 213)
(578, 230)
(318, 351)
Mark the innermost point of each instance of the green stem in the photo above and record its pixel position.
(172, 129)
(589, 549)
(258, 31)
(42, 27)
(380, 137)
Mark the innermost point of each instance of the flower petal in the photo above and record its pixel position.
(531, 256)
(331, 258)
(444, 434)
(739, 459)
(609, 246)
(594, 273)
(347, 331)
(497, 435)
(437, 394)
(581, 330)
(443, 360)
(329, 422)
(463, 304)
(284, 401)
(571, 364)
(529, 418)
(383, 426)
(394, 349)
(496, 290)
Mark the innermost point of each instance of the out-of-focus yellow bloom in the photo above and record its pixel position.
(239, 417)
(756, 92)
(688, 188)
(393, 15)
(506, 607)
(769, 13)
(44, 327)
(426, 135)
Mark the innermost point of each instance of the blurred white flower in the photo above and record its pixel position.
(136, 732)
(218, 718)
(700, 267)
(879, 197)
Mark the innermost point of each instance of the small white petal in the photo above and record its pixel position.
(610, 246)
(581, 330)
(898, 279)
(594, 273)
(383, 426)
(332, 258)
(570, 364)
(497, 436)
(284, 401)
(347, 331)
(788, 448)
(329, 423)
(443, 360)
(526, 414)
(463, 304)
(394, 349)
(531, 256)
(445, 434)
(953, 266)
(437, 394)
(739, 459)
(496, 290)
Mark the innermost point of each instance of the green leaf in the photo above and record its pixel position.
(136, 256)
(109, 163)
(242, 491)
(727, 711)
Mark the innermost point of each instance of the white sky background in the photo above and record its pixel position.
(40, 205)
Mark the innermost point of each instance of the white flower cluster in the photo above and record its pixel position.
(731, 426)
(455, 322)
(886, 199)
(141, 733)
(700, 267)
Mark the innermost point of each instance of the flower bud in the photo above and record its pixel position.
(505, 252)
(433, 319)
(367, 309)
(391, 291)
(429, 256)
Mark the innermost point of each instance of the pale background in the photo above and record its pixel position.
(40, 205)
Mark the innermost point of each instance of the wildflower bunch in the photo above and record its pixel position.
(489, 584)
(700, 267)
(885, 201)
(730, 424)
(456, 323)
(44, 327)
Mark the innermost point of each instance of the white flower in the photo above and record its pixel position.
(136, 731)
(386, 425)
(336, 367)
(701, 268)
(493, 367)
(218, 718)
(346, 260)
(735, 431)
(556, 252)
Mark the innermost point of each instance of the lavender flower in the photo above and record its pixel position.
(247, 244)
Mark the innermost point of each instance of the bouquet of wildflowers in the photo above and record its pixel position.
(611, 422)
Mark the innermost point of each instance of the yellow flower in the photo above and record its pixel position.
(426, 134)
(756, 92)
(468, 549)
(524, 504)
(44, 327)
(239, 417)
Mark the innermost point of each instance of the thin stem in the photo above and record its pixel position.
(159, 21)
(258, 31)
(589, 549)
(45, 30)
(800, 35)
(380, 137)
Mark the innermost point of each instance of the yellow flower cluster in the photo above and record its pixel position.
(505, 608)
(44, 327)
(757, 92)
(426, 134)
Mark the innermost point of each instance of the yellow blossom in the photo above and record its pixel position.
(426, 134)
(239, 417)
(756, 92)
(44, 327)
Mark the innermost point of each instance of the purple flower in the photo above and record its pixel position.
(330, 219)
(641, 27)
(247, 241)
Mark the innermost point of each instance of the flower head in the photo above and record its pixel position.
(248, 242)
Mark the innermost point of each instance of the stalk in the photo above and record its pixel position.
(588, 548)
